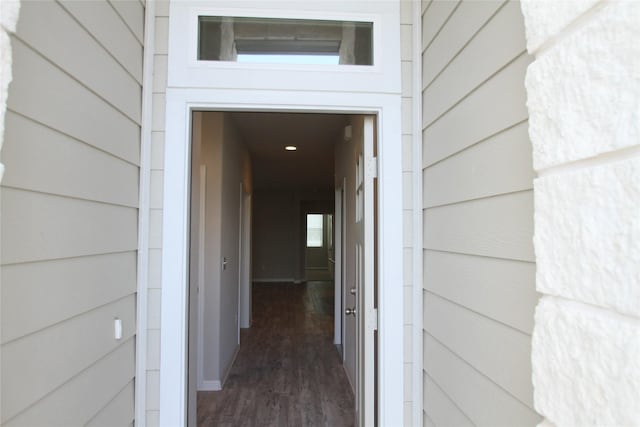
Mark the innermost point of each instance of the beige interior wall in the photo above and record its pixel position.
(233, 152)
(211, 150)
(345, 172)
(69, 214)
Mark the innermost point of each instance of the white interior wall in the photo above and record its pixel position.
(583, 91)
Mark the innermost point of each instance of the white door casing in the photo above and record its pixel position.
(180, 104)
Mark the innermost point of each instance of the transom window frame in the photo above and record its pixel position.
(197, 12)
(185, 70)
(318, 49)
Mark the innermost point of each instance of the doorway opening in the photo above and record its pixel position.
(268, 283)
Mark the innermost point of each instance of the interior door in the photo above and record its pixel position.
(366, 313)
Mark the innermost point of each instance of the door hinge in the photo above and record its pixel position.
(372, 167)
(372, 320)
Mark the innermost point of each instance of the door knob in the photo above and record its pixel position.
(350, 311)
(352, 291)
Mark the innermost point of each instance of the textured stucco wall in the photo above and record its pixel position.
(584, 105)
(9, 11)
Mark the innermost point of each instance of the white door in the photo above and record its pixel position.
(365, 310)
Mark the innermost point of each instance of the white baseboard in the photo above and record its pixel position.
(206, 385)
(216, 385)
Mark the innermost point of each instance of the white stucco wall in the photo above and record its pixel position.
(584, 105)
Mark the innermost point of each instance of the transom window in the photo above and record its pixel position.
(284, 41)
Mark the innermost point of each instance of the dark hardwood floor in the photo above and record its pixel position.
(287, 372)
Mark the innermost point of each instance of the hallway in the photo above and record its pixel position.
(287, 372)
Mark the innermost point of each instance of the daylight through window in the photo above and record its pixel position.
(284, 41)
(314, 231)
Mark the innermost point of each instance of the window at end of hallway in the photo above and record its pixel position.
(314, 230)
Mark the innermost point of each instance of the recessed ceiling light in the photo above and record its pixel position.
(291, 148)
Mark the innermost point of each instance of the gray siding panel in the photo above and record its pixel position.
(36, 295)
(95, 68)
(481, 399)
(498, 104)
(500, 289)
(500, 227)
(82, 398)
(45, 360)
(50, 96)
(477, 339)
(442, 410)
(486, 53)
(479, 275)
(434, 18)
(119, 412)
(500, 165)
(69, 224)
(132, 13)
(50, 227)
(465, 21)
(104, 23)
(46, 152)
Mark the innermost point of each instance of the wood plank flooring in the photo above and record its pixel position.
(287, 372)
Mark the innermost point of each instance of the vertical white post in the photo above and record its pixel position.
(143, 216)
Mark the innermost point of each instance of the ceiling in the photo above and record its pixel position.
(310, 167)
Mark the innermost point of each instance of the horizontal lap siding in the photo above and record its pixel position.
(70, 214)
(479, 277)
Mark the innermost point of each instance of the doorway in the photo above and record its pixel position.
(225, 153)
(175, 252)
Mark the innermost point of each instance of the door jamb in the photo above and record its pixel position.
(338, 266)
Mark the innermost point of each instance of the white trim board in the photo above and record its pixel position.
(417, 275)
(140, 397)
(180, 104)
